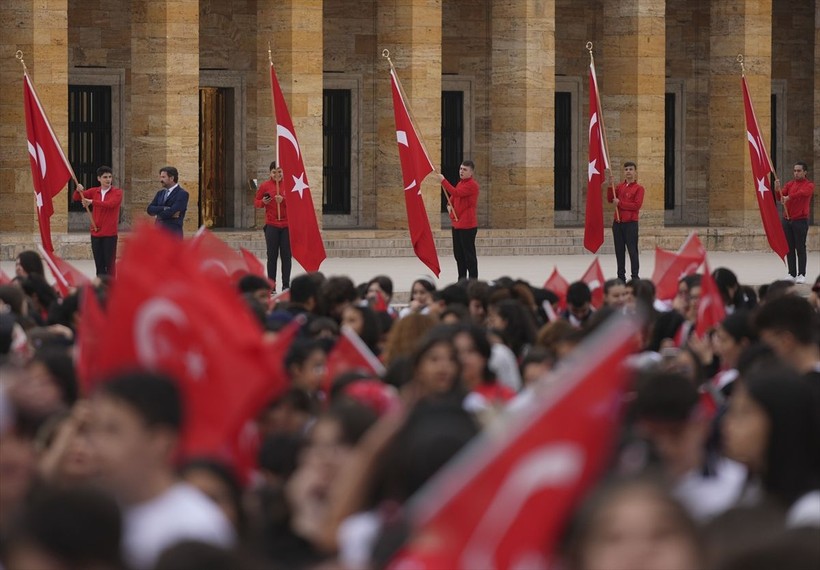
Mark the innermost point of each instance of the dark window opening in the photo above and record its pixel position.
(337, 141)
(669, 153)
(563, 150)
(452, 137)
(89, 135)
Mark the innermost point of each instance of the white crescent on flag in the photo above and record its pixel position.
(149, 344)
(284, 133)
(39, 157)
(401, 137)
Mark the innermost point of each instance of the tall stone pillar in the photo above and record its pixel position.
(164, 118)
(40, 31)
(294, 30)
(816, 153)
(631, 68)
(737, 27)
(411, 30)
(522, 103)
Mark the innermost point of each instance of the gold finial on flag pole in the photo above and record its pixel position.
(19, 56)
(739, 59)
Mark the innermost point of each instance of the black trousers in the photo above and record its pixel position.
(105, 254)
(796, 231)
(625, 235)
(464, 252)
(277, 241)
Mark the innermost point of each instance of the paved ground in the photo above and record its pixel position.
(754, 268)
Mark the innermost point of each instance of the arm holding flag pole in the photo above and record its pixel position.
(603, 133)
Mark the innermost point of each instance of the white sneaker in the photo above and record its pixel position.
(789, 277)
(800, 279)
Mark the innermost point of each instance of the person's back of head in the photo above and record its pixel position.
(775, 290)
(195, 555)
(578, 294)
(31, 262)
(788, 314)
(303, 288)
(251, 283)
(452, 295)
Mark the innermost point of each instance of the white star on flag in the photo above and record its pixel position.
(299, 184)
(195, 364)
(761, 186)
(592, 170)
(401, 137)
(39, 200)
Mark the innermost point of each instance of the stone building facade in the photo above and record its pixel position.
(668, 78)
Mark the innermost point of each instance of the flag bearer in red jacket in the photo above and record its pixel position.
(796, 198)
(462, 210)
(628, 198)
(105, 201)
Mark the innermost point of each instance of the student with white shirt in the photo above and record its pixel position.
(136, 427)
(105, 201)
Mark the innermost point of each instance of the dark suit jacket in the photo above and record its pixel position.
(176, 202)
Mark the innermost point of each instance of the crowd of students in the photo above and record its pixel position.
(717, 464)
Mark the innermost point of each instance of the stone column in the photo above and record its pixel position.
(816, 153)
(294, 29)
(411, 30)
(522, 114)
(631, 68)
(164, 118)
(40, 31)
(737, 26)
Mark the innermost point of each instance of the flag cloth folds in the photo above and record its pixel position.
(594, 278)
(415, 166)
(66, 275)
(504, 501)
(670, 268)
(711, 311)
(350, 353)
(693, 247)
(217, 259)
(558, 285)
(305, 239)
(50, 170)
(165, 314)
(761, 168)
(90, 331)
(598, 163)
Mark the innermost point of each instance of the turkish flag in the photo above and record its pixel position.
(350, 353)
(66, 275)
(50, 170)
(693, 247)
(305, 238)
(218, 260)
(505, 500)
(558, 285)
(711, 311)
(594, 278)
(90, 330)
(380, 306)
(598, 162)
(4, 279)
(255, 266)
(670, 268)
(415, 166)
(761, 168)
(165, 314)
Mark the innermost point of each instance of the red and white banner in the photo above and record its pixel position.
(415, 166)
(305, 239)
(711, 310)
(66, 276)
(50, 170)
(594, 278)
(558, 285)
(761, 169)
(598, 163)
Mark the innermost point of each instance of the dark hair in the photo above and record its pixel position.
(802, 164)
(692, 281)
(630, 163)
(256, 308)
(14, 297)
(300, 350)
(279, 454)
(152, 395)
(738, 325)
(482, 345)
(36, 284)
(664, 396)
(440, 334)
(578, 294)
(776, 289)
(250, 283)
(303, 288)
(104, 170)
(371, 328)
(60, 365)
(196, 555)
(789, 313)
(354, 419)
(520, 330)
(429, 286)
(170, 171)
(226, 475)
(457, 310)
(80, 527)
(385, 284)
(469, 163)
(610, 283)
(272, 166)
(792, 466)
(453, 295)
(31, 262)
(795, 549)
(665, 326)
(336, 290)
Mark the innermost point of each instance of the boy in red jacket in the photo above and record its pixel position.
(796, 198)
(628, 198)
(464, 198)
(277, 236)
(105, 201)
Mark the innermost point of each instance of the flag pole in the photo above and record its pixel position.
(603, 128)
(740, 59)
(276, 137)
(386, 55)
(19, 56)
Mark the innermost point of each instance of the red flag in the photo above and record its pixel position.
(594, 278)
(558, 285)
(761, 168)
(711, 311)
(4, 279)
(217, 258)
(350, 353)
(504, 501)
(50, 170)
(670, 268)
(165, 314)
(66, 275)
(415, 166)
(254, 265)
(380, 306)
(90, 331)
(598, 162)
(693, 247)
(305, 238)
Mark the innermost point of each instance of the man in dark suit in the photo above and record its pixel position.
(170, 203)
